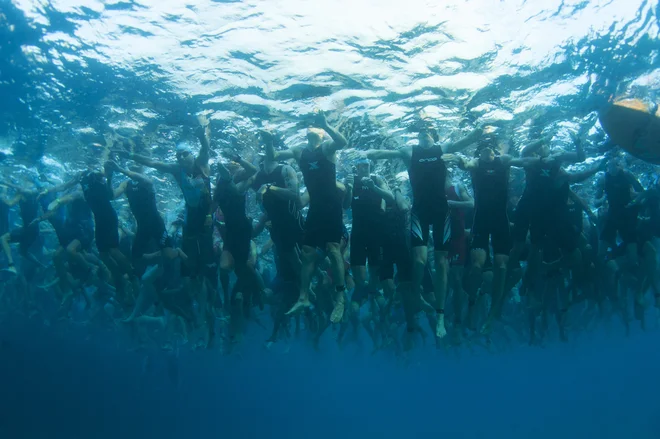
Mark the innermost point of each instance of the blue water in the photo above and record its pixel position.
(57, 384)
(72, 70)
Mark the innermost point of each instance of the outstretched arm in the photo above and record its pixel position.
(463, 143)
(338, 140)
(290, 192)
(63, 187)
(381, 188)
(168, 168)
(583, 204)
(465, 200)
(204, 134)
(531, 148)
(576, 177)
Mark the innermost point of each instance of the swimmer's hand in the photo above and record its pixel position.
(266, 136)
(368, 182)
(208, 222)
(349, 181)
(319, 119)
(111, 166)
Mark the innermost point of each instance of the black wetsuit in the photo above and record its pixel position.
(427, 177)
(491, 182)
(366, 235)
(57, 220)
(544, 199)
(239, 226)
(287, 224)
(197, 236)
(79, 224)
(324, 223)
(651, 226)
(620, 218)
(396, 245)
(150, 225)
(27, 235)
(98, 196)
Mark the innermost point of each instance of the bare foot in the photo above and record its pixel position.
(440, 330)
(300, 305)
(338, 311)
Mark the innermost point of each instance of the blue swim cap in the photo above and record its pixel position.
(183, 146)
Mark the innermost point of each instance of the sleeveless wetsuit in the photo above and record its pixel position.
(458, 244)
(238, 225)
(491, 182)
(150, 225)
(79, 224)
(197, 237)
(287, 223)
(427, 177)
(620, 218)
(396, 245)
(366, 234)
(542, 184)
(324, 223)
(98, 196)
(27, 235)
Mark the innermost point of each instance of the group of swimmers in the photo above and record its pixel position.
(374, 274)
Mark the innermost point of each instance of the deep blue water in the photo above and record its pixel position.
(61, 386)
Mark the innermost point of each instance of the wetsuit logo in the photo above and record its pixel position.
(313, 166)
(428, 160)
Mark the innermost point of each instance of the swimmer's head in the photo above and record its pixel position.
(184, 154)
(615, 165)
(544, 150)
(427, 137)
(363, 167)
(314, 136)
(487, 154)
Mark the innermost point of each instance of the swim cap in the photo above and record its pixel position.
(183, 146)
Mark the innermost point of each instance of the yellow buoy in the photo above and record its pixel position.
(631, 124)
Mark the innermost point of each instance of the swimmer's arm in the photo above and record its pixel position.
(389, 154)
(583, 204)
(62, 187)
(599, 197)
(168, 168)
(462, 143)
(223, 173)
(304, 199)
(290, 192)
(338, 140)
(465, 199)
(266, 247)
(14, 201)
(637, 186)
(260, 226)
(59, 202)
(292, 153)
(141, 178)
(524, 162)
(382, 189)
(531, 148)
(120, 190)
(204, 135)
(401, 202)
(576, 177)
(468, 165)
